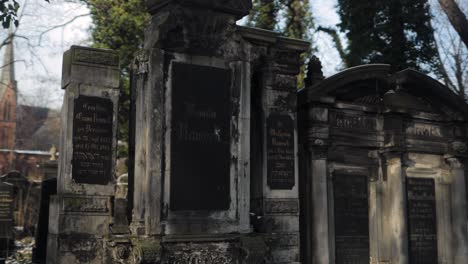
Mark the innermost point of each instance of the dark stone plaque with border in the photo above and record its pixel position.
(6, 210)
(6, 219)
(422, 229)
(280, 151)
(92, 140)
(351, 199)
(200, 138)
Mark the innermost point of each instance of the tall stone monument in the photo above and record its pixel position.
(216, 175)
(80, 213)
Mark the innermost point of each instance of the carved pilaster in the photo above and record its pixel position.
(458, 209)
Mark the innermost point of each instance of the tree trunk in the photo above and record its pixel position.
(456, 18)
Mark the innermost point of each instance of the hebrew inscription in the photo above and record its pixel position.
(347, 121)
(92, 140)
(351, 219)
(423, 130)
(200, 138)
(280, 151)
(422, 220)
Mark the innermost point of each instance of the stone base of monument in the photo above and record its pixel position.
(251, 249)
(83, 222)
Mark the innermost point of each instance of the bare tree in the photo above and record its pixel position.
(45, 30)
(456, 17)
(452, 52)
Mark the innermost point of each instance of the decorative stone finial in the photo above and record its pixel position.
(314, 71)
(53, 153)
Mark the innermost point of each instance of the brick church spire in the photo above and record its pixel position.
(8, 67)
(8, 96)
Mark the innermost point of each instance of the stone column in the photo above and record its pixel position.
(395, 220)
(80, 213)
(458, 209)
(280, 169)
(320, 208)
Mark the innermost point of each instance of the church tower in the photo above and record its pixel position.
(8, 98)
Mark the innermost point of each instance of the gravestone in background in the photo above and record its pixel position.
(81, 213)
(422, 229)
(6, 218)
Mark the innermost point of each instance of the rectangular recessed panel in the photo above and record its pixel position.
(92, 140)
(351, 201)
(422, 229)
(280, 151)
(6, 210)
(200, 138)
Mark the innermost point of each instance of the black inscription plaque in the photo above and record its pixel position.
(6, 210)
(422, 220)
(280, 151)
(92, 140)
(200, 138)
(351, 200)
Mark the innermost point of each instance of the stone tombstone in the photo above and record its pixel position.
(351, 216)
(422, 226)
(280, 151)
(382, 168)
(194, 83)
(6, 218)
(200, 138)
(80, 213)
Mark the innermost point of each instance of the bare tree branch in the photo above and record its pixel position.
(457, 18)
(336, 39)
(60, 26)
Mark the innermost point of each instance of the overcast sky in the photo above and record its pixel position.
(38, 70)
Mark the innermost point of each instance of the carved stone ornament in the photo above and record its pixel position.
(211, 253)
(146, 252)
(454, 163)
(200, 32)
(140, 63)
(459, 147)
(121, 253)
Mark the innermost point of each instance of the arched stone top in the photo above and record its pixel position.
(375, 85)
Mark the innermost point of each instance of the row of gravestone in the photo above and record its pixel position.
(7, 214)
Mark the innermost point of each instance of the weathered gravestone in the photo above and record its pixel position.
(383, 168)
(80, 213)
(198, 83)
(6, 219)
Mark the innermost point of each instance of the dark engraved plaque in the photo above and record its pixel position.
(92, 140)
(351, 200)
(280, 151)
(422, 220)
(6, 210)
(200, 138)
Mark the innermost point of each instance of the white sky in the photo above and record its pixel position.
(38, 71)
